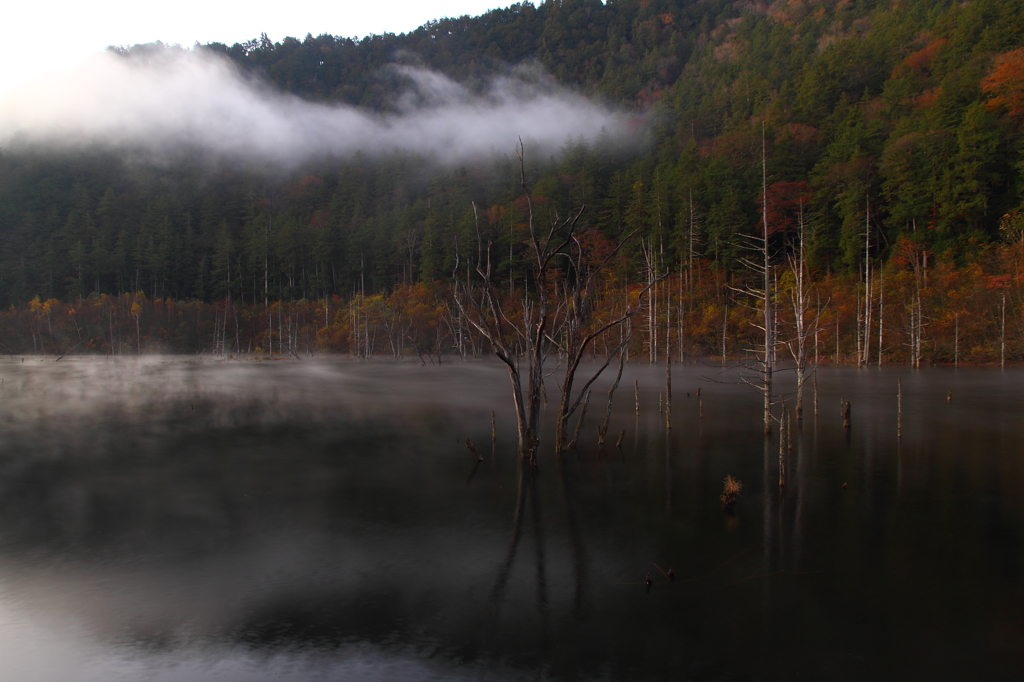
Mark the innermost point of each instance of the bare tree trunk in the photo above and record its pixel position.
(1002, 336)
(725, 325)
(860, 331)
(816, 363)
(956, 341)
(680, 318)
(881, 314)
(579, 422)
(602, 431)
(800, 299)
(918, 323)
(652, 331)
(836, 354)
(689, 265)
(867, 286)
(762, 265)
(668, 391)
(920, 330)
(769, 335)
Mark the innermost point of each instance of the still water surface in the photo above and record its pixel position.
(175, 520)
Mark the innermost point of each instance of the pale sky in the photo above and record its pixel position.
(43, 37)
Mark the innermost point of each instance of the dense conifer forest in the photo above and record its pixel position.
(892, 133)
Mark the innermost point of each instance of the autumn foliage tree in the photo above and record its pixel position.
(1004, 85)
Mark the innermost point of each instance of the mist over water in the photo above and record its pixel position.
(176, 520)
(198, 99)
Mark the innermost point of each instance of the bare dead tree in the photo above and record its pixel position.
(864, 335)
(915, 309)
(579, 330)
(651, 273)
(523, 341)
(602, 430)
(805, 325)
(763, 367)
(523, 344)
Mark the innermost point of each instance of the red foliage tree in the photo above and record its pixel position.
(1005, 83)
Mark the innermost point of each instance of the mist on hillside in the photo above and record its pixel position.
(175, 99)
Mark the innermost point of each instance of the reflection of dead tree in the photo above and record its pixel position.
(538, 540)
(526, 495)
(525, 489)
(579, 557)
(528, 498)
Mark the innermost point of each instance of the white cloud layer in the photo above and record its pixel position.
(42, 37)
(199, 99)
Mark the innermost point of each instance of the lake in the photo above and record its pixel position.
(172, 519)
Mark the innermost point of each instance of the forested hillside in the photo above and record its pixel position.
(893, 130)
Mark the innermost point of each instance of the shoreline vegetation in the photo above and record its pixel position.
(921, 310)
(808, 181)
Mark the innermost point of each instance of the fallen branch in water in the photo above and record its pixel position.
(469, 444)
(69, 350)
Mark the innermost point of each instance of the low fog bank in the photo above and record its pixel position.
(90, 401)
(271, 533)
(177, 99)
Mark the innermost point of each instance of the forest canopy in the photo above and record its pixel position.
(902, 118)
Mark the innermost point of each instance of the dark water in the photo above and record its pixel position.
(323, 520)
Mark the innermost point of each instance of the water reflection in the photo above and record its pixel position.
(174, 520)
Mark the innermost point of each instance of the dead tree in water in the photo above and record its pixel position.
(765, 267)
(550, 310)
(512, 341)
(864, 334)
(603, 429)
(577, 329)
(915, 309)
(805, 325)
(764, 367)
